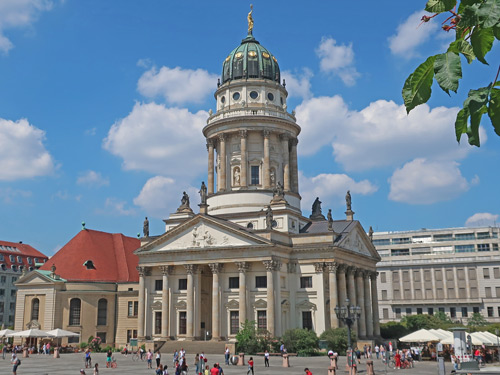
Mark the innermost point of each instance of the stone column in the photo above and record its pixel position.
(271, 266)
(165, 270)
(351, 288)
(294, 165)
(360, 293)
(267, 162)
(244, 161)
(190, 269)
(368, 305)
(286, 161)
(141, 308)
(223, 162)
(332, 280)
(242, 268)
(215, 268)
(342, 285)
(210, 149)
(376, 319)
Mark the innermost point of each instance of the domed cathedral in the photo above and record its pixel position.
(250, 254)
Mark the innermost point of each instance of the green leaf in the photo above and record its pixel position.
(439, 6)
(447, 71)
(475, 104)
(469, 17)
(477, 99)
(496, 32)
(489, 13)
(461, 123)
(473, 131)
(494, 109)
(482, 41)
(464, 48)
(417, 87)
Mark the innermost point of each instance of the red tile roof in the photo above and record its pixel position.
(19, 249)
(111, 253)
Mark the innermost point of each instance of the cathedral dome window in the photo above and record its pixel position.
(223, 99)
(236, 96)
(270, 96)
(254, 95)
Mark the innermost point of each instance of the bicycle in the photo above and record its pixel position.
(391, 364)
(113, 363)
(135, 356)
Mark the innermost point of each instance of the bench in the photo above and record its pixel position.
(278, 354)
(472, 365)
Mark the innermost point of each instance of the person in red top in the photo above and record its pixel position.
(214, 370)
(307, 371)
(250, 366)
(397, 358)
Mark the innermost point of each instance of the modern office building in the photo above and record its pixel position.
(455, 270)
(16, 259)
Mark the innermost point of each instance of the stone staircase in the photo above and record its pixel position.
(193, 347)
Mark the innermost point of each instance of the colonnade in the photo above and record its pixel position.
(219, 144)
(359, 285)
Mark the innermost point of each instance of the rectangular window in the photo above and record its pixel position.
(261, 281)
(395, 277)
(382, 277)
(254, 171)
(131, 334)
(496, 273)
(475, 309)
(157, 322)
(441, 309)
(102, 336)
(465, 312)
(400, 252)
(443, 237)
(487, 291)
(483, 247)
(234, 318)
(418, 294)
(306, 282)
(486, 273)
(234, 282)
(490, 311)
(397, 311)
(183, 284)
(262, 319)
(13, 306)
(382, 241)
(12, 292)
(453, 312)
(483, 235)
(498, 308)
(396, 293)
(451, 293)
(464, 248)
(385, 313)
(430, 310)
(497, 291)
(495, 247)
(307, 322)
(2, 292)
(408, 311)
(398, 241)
(182, 322)
(472, 274)
(419, 311)
(133, 308)
(384, 295)
(158, 285)
(74, 340)
(3, 279)
(464, 236)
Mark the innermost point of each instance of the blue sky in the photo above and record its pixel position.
(102, 105)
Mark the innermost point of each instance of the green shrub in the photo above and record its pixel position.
(336, 339)
(252, 341)
(300, 340)
(83, 345)
(393, 330)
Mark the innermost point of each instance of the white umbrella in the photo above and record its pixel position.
(5, 332)
(422, 335)
(485, 339)
(58, 332)
(451, 340)
(30, 333)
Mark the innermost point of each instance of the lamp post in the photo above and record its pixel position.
(348, 315)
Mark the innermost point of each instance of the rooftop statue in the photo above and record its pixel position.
(250, 20)
(269, 218)
(316, 210)
(348, 200)
(203, 193)
(145, 227)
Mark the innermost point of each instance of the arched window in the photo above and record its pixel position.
(102, 312)
(75, 306)
(35, 308)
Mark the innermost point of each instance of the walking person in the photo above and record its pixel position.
(266, 358)
(109, 354)
(4, 351)
(96, 369)
(88, 359)
(226, 355)
(15, 362)
(149, 359)
(158, 358)
(250, 366)
(306, 370)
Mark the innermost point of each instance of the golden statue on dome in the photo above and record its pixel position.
(250, 20)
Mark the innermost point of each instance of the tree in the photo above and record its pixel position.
(476, 24)
(475, 321)
(419, 321)
(250, 340)
(393, 330)
(301, 341)
(336, 339)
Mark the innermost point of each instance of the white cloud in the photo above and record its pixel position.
(177, 85)
(482, 219)
(64, 195)
(9, 195)
(425, 182)
(114, 206)
(92, 178)
(331, 189)
(338, 60)
(298, 84)
(17, 14)
(161, 195)
(379, 135)
(23, 154)
(160, 140)
(409, 35)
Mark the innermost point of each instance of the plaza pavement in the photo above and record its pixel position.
(70, 364)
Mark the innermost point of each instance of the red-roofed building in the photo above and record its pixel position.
(15, 259)
(89, 287)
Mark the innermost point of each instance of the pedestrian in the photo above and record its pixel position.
(158, 358)
(397, 359)
(214, 370)
(16, 362)
(282, 348)
(109, 354)
(184, 367)
(266, 358)
(149, 359)
(165, 370)
(176, 356)
(207, 370)
(250, 366)
(159, 369)
(226, 355)
(82, 371)
(88, 358)
(377, 351)
(4, 351)
(141, 352)
(306, 370)
(96, 369)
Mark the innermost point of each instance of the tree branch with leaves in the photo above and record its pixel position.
(476, 24)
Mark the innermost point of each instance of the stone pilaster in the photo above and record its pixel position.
(376, 319)
(271, 266)
(360, 294)
(244, 159)
(223, 163)
(267, 162)
(140, 313)
(286, 161)
(243, 268)
(165, 270)
(368, 305)
(190, 270)
(351, 286)
(215, 268)
(294, 165)
(210, 149)
(332, 286)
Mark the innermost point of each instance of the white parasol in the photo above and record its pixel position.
(30, 333)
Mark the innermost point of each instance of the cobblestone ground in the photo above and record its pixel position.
(70, 364)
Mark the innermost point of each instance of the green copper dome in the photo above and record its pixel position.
(250, 60)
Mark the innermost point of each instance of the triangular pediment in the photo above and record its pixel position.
(36, 277)
(358, 242)
(204, 232)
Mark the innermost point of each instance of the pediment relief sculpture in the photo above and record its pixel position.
(260, 304)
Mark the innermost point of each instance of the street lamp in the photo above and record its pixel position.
(348, 315)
